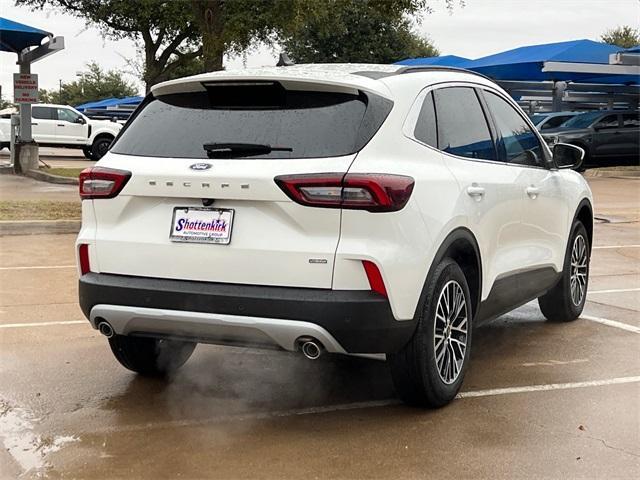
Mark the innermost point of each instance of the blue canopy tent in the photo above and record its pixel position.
(445, 61)
(532, 63)
(15, 37)
(109, 103)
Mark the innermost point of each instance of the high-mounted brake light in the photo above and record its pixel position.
(374, 192)
(101, 182)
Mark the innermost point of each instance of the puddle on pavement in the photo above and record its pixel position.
(28, 449)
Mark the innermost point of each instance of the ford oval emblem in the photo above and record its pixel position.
(200, 166)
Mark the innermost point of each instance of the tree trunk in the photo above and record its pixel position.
(208, 16)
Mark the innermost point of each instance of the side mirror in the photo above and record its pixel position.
(567, 156)
(81, 120)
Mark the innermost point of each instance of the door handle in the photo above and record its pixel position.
(60, 125)
(33, 123)
(533, 192)
(476, 192)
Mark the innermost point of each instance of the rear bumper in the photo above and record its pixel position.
(351, 321)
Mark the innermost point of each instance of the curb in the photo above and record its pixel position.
(47, 177)
(597, 172)
(38, 227)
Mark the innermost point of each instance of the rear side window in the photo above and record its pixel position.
(462, 127)
(517, 143)
(304, 124)
(43, 113)
(426, 130)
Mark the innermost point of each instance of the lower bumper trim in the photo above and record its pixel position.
(211, 327)
(359, 321)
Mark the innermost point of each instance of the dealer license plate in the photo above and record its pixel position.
(201, 225)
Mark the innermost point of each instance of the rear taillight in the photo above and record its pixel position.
(83, 256)
(375, 277)
(100, 182)
(374, 192)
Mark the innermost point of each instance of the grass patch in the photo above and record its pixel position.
(39, 210)
(63, 172)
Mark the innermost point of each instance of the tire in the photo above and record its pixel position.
(565, 301)
(418, 379)
(150, 356)
(100, 147)
(88, 153)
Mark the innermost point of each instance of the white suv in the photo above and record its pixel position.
(368, 210)
(64, 126)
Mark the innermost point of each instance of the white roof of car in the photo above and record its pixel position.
(348, 76)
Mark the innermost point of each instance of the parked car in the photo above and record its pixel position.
(64, 126)
(549, 120)
(607, 137)
(370, 210)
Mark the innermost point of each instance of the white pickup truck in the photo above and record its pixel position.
(64, 126)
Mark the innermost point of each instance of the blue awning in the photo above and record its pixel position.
(526, 63)
(15, 37)
(445, 61)
(109, 102)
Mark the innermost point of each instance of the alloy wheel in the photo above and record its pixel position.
(450, 332)
(578, 271)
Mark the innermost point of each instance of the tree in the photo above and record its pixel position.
(192, 36)
(94, 84)
(169, 35)
(624, 36)
(370, 31)
(181, 36)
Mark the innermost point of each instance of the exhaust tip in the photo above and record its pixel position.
(311, 349)
(105, 329)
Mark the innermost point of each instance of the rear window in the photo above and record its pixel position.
(304, 124)
(462, 126)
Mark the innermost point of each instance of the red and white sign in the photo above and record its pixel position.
(25, 87)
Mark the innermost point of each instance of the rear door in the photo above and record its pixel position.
(491, 194)
(607, 136)
(272, 240)
(43, 124)
(630, 135)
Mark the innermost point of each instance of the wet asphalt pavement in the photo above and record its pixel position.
(539, 400)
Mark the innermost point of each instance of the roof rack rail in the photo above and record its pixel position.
(423, 68)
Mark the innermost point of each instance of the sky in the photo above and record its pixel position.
(479, 28)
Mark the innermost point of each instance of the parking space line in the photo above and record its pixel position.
(615, 290)
(42, 324)
(548, 387)
(612, 323)
(41, 267)
(614, 246)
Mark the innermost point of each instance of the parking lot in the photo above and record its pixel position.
(540, 399)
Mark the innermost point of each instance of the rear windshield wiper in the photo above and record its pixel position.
(241, 149)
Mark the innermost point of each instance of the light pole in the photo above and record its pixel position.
(81, 76)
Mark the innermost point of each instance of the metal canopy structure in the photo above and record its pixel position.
(19, 39)
(574, 75)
